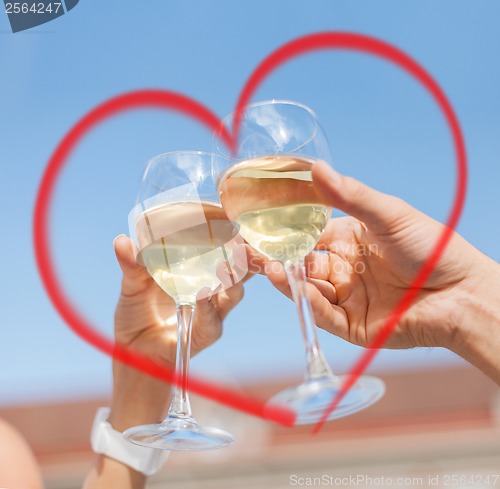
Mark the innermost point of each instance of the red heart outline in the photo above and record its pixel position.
(174, 101)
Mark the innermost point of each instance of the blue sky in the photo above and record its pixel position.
(382, 126)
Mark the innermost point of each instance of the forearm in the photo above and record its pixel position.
(478, 322)
(137, 399)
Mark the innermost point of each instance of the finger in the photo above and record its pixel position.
(228, 299)
(328, 316)
(234, 269)
(327, 289)
(318, 265)
(135, 276)
(343, 286)
(318, 273)
(377, 210)
(256, 262)
(238, 266)
(223, 272)
(351, 296)
(207, 326)
(323, 271)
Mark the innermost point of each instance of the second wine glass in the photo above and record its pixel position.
(266, 187)
(186, 242)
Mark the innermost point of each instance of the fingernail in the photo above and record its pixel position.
(118, 237)
(334, 176)
(204, 296)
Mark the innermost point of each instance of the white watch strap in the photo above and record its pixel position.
(107, 441)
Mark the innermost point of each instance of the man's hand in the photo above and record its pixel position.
(370, 262)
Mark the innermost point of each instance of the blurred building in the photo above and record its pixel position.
(434, 428)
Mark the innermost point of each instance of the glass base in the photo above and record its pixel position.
(178, 434)
(311, 399)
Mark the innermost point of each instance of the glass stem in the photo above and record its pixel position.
(180, 406)
(316, 365)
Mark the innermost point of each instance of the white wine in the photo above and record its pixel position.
(184, 245)
(273, 200)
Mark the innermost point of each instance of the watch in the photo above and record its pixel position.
(107, 441)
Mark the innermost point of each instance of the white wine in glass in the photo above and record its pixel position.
(274, 202)
(266, 186)
(196, 238)
(186, 242)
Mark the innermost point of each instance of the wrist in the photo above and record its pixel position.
(476, 335)
(137, 398)
(108, 472)
(113, 448)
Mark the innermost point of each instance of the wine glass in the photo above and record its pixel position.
(186, 242)
(265, 185)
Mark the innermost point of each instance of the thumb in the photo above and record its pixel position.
(135, 276)
(377, 210)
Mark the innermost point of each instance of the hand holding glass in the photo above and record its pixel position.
(266, 187)
(186, 242)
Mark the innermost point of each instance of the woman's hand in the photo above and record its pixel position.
(145, 321)
(145, 317)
